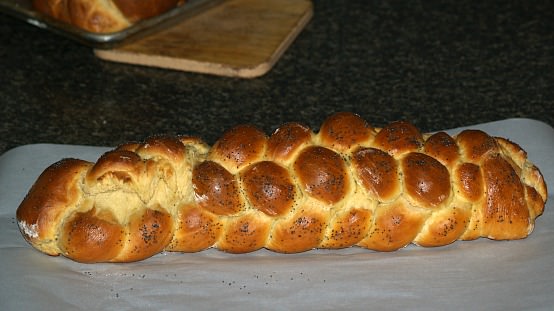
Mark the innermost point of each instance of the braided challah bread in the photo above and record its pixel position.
(103, 16)
(348, 185)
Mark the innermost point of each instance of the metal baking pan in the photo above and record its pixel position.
(23, 10)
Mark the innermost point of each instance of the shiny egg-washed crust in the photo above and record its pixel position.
(103, 16)
(348, 185)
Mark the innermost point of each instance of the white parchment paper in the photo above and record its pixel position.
(472, 275)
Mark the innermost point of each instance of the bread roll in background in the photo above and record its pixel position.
(350, 184)
(103, 16)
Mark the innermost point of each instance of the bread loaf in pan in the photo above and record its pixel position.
(103, 16)
(349, 184)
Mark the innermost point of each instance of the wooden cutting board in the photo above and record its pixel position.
(237, 38)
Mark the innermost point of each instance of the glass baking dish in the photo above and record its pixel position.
(22, 9)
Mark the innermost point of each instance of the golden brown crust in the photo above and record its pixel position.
(395, 226)
(287, 140)
(92, 237)
(443, 148)
(322, 174)
(426, 180)
(445, 226)
(474, 144)
(506, 215)
(45, 204)
(398, 137)
(469, 179)
(378, 173)
(343, 131)
(216, 189)
(348, 227)
(103, 16)
(196, 230)
(123, 165)
(299, 232)
(269, 188)
(148, 232)
(244, 234)
(239, 147)
(348, 185)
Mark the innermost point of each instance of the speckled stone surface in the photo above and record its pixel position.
(438, 64)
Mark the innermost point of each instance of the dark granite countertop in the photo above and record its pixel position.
(439, 64)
